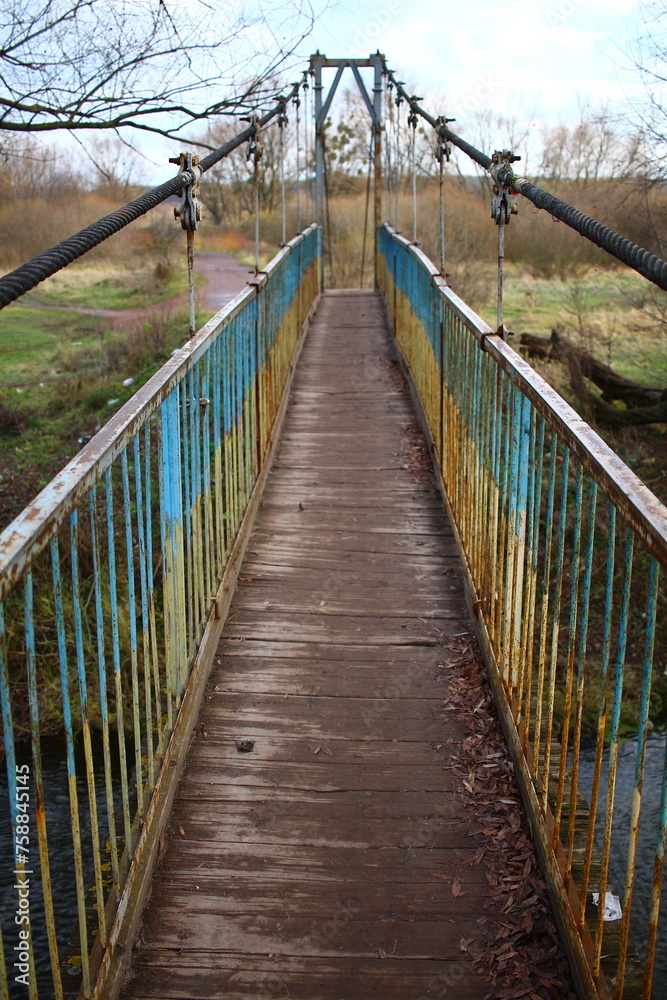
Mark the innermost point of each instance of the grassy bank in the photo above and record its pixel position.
(62, 375)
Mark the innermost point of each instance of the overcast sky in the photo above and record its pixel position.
(552, 54)
(539, 61)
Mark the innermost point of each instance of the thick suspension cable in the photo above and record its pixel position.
(641, 260)
(25, 277)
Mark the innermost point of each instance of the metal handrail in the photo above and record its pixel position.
(564, 591)
(116, 579)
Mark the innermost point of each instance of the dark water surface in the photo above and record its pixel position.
(648, 824)
(61, 859)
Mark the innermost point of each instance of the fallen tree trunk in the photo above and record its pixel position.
(644, 404)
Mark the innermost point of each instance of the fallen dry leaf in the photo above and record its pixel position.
(518, 951)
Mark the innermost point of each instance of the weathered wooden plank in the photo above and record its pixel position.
(284, 748)
(216, 976)
(362, 902)
(320, 628)
(402, 705)
(305, 776)
(325, 934)
(378, 726)
(411, 866)
(285, 677)
(290, 824)
(339, 652)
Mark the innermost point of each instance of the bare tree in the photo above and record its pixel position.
(648, 107)
(228, 187)
(117, 165)
(152, 65)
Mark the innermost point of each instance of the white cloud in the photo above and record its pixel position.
(559, 52)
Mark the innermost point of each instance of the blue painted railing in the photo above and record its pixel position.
(112, 584)
(563, 547)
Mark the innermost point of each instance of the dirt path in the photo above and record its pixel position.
(225, 276)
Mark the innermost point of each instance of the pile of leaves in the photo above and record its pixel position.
(518, 950)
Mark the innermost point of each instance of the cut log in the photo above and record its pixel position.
(644, 404)
(612, 385)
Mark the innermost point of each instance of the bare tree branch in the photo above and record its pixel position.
(150, 65)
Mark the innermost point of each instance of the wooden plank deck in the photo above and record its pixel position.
(318, 866)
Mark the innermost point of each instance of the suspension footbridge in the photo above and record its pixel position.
(273, 577)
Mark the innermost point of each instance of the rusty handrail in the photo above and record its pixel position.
(563, 547)
(113, 585)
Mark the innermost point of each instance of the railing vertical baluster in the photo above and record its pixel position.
(503, 540)
(134, 644)
(85, 724)
(575, 573)
(185, 403)
(531, 600)
(38, 787)
(203, 445)
(102, 678)
(495, 569)
(115, 645)
(602, 712)
(218, 460)
(71, 764)
(521, 626)
(582, 639)
(555, 625)
(656, 892)
(613, 740)
(199, 501)
(647, 674)
(4, 985)
(150, 580)
(20, 870)
(227, 439)
(142, 515)
(518, 525)
(544, 617)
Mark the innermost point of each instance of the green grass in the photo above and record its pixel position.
(607, 312)
(103, 286)
(30, 340)
(61, 379)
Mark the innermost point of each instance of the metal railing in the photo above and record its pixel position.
(110, 590)
(563, 547)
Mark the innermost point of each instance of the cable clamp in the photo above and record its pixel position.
(502, 206)
(254, 149)
(190, 210)
(443, 149)
(282, 114)
(412, 117)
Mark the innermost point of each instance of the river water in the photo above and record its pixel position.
(61, 859)
(653, 778)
